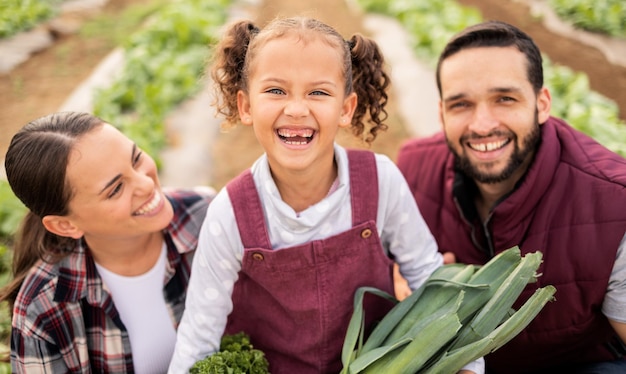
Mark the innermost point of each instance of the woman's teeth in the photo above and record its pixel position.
(147, 208)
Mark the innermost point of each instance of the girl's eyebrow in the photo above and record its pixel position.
(118, 176)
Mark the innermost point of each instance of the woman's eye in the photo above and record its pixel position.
(115, 190)
(137, 158)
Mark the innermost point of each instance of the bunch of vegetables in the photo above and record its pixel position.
(461, 313)
(236, 356)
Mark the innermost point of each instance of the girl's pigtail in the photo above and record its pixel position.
(227, 70)
(370, 82)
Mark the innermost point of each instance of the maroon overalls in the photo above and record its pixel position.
(295, 303)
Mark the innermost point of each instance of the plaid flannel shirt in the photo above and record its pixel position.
(64, 320)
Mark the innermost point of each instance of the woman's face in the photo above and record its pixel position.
(115, 188)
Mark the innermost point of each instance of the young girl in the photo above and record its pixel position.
(286, 244)
(103, 257)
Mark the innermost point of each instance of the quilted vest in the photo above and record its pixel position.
(570, 205)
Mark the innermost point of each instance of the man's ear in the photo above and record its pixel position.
(544, 103)
(61, 226)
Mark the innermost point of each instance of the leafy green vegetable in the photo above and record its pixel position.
(164, 63)
(21, 15)
(603, 16)
(236, 356)
(11, 212)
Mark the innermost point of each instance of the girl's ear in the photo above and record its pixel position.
(243, 106)
(61, 226)
(349, 106)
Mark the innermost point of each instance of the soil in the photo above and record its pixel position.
(41, 84)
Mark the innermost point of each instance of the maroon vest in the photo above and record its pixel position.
(295, 303)
(571, 205)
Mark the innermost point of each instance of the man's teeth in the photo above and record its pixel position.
(486, 147)
(149, 206)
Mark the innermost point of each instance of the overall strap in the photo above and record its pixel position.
(248, 211)
(363, 185)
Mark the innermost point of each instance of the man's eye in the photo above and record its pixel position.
(458, 105)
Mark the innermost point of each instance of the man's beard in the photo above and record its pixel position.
(530, 144)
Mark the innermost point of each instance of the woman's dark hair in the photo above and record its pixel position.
(362, 67)
(35, 164)
(496, 34)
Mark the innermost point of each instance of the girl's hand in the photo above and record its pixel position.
(449, 258)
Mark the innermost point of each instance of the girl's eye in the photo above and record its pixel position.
(319, 93)
(275, 91)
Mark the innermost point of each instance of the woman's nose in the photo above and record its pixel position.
(144, 183)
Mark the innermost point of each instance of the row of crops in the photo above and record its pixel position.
(165, 58)
(603, 16)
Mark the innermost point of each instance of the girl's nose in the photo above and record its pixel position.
(296, 108)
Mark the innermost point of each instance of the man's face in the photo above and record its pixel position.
(490, 112)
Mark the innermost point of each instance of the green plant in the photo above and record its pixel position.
(460, 314)
(236, 356)
(602, 16)
(11, 212)
(164, 63)
(21, 15)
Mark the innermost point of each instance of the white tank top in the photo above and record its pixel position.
(141, 305)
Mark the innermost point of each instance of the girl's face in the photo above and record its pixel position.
(116, 191)
(297, 102)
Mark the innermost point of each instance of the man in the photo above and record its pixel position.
(504, 172)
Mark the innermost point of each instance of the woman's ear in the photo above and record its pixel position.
(243, 105)
(62, 226)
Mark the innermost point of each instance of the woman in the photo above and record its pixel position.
(102, 260)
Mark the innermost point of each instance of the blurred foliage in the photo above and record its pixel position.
(601, 16)
(22, 15)
(164, 64)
